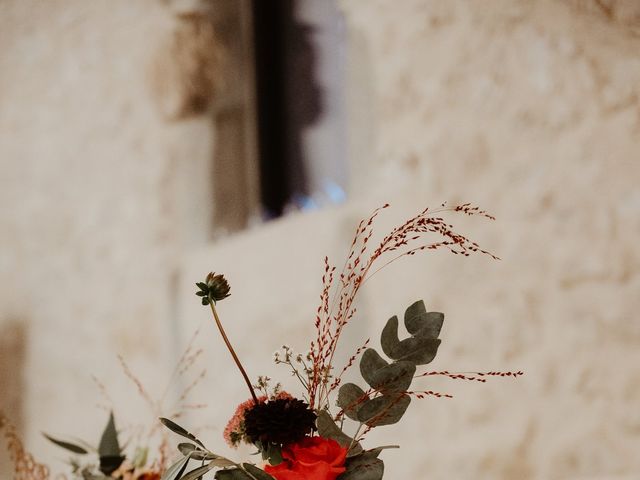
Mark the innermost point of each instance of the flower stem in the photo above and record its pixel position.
(354, 440)
(233, 353)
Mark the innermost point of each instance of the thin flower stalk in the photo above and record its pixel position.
(233, 352)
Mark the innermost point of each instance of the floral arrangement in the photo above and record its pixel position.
(305, 437)
(139, 451)
(318, 433)
(111, 459)
(108, 461)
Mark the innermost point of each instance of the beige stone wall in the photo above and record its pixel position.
(530, 109)
(99, 196)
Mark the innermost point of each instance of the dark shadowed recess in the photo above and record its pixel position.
(288, 101)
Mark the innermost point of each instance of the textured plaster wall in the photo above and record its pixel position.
(530, 109)
(99, 195)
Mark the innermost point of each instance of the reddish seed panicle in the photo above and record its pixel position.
(25, 466)
(471, 376)
(336, 307)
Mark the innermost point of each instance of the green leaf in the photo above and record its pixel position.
(72, 447)
(84, 444)
(393, 378)
(198, 472)
(187, 448)
(196, 452)
(389, 339)
(327, 428)
(110, 463)
(376, 451)
(109, 446)
(384, 410)
(175, 428)
(426, 324)
(256, 472)
(222, 462)
(370, 363)
(417, 350)
(416, 309)
(272, 453)
(175, 471)
(422, 347)
(350, 399)
(232, 474)
(109, 449)
(363, 467)
(385, 377)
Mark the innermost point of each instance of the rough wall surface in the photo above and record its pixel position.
(530, 109)
(91, 205)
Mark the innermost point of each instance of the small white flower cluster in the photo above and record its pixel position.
(286, 355)
(300, 363)
(263, 386)
(263, 381)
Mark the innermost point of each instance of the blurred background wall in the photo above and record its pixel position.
(135, 146)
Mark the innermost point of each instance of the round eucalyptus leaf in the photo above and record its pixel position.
(416, 309)
(384, 410)
(389, 339)
(350, 399)
(370, 363)
(427, 325)
(417, 350)
(393, 378)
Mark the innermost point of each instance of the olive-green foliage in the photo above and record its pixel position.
(207, 461)
(109, 451)
(387, 399)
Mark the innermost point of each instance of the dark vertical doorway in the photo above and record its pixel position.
(288, 101)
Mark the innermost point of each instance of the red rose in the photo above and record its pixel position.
(313, 458)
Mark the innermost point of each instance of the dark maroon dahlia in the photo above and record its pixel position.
(282, 421)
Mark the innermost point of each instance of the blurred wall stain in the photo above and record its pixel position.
(185, 75)
(13, 337)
